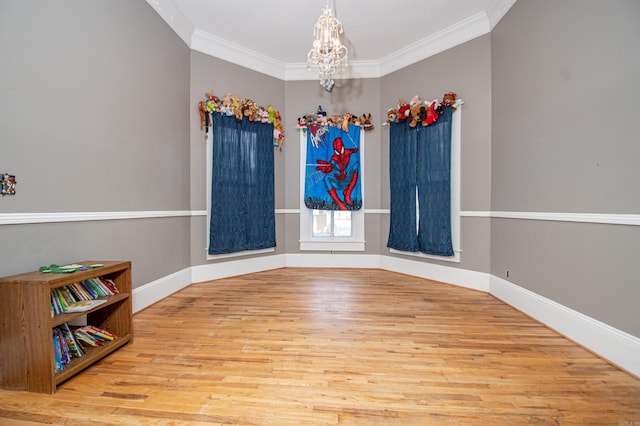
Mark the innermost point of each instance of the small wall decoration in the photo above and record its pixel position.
(8, 184)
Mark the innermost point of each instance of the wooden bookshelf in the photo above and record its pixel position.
(27, 323)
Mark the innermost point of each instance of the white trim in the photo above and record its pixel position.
(357, 69)
(232, 268)
(24, 218)
(497, 9)
(287, 211)
(157, 290)
(455, 258)
(618, 347)
(431, 271)
(174, 17)
(454, 35)
(614, 219)
(220, 48)
(240, 253)
(594, 218)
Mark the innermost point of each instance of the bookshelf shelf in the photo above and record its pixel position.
(27, 323)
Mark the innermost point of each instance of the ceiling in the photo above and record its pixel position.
(274, 36)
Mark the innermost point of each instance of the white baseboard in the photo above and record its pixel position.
(157, 290)
(336, 260)
(215, 271)
(446, 274)
(620, 348)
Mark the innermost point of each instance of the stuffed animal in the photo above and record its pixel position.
(278, 132)
(418, 112)
(203, 114)
(264, 114)
(392, 114)
(431, 114)
(272, 114)
(249, 109)
(236, 108)
(345, 122)
(448, 99)
(403, 110)
(367, 124)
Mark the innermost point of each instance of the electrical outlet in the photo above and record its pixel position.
(507, 273)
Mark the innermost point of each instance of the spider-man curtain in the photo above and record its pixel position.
(332, 172)
(420, 165)
(242, 190)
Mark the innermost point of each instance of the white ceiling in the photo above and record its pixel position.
(274, 36)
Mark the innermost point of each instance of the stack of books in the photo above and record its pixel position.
(68, 344)
(81, 296)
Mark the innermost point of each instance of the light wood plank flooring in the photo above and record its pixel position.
(300, 346)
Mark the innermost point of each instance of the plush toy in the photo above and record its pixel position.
(212, 101)
(392, 114)
(272, 114)
(236, 108)
(417, 114)
(448, 99)
(403, 110)
(264, 114)
(278, 132)
(345, 122)
(226, 104)
(432, 113)
(249, 109)
(367, 124)
(203, 114)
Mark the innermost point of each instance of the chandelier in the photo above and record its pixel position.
(328, 55)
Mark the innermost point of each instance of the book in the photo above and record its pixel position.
(84, 305)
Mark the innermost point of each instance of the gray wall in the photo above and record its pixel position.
(565, 139)
(94, 117)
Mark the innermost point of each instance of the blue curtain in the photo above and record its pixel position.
(420, 165)
(242, 190)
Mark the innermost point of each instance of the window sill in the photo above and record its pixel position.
(332, 245)
(455, 258)
(239, 254)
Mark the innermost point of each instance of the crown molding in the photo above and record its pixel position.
(356, 69)
(223, 49)
(475, 26)
(496, 11)
(172, 16)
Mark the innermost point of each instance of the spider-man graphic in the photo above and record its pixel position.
(340, 173)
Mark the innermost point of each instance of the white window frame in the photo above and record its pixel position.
(456, 139)
(356, 241)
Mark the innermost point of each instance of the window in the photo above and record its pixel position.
(331, 223)
(403, 241)
(242, 201)
(330, 230)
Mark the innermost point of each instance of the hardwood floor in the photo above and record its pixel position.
(302, 346)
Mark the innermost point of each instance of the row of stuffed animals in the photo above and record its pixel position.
(421, 112)
(231, 105)
(320, 118)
